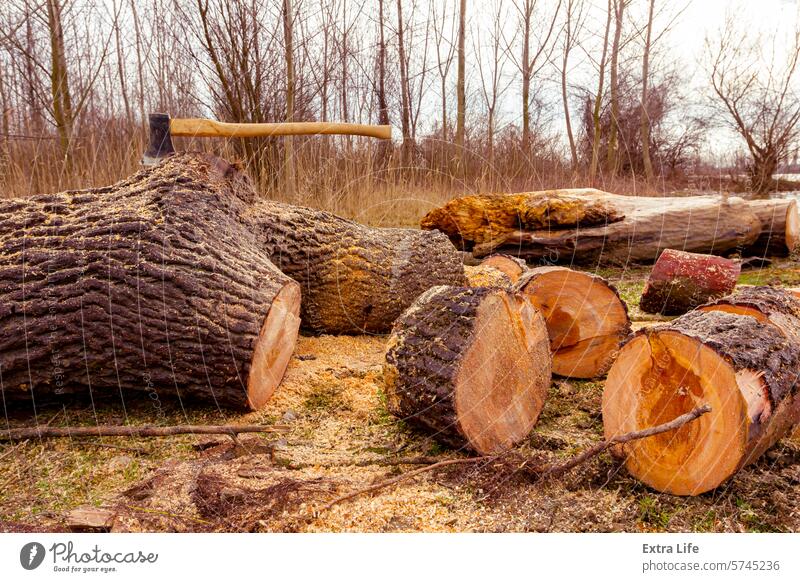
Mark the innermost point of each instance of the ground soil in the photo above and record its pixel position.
(338, 436)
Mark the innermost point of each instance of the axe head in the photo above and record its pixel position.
(160, 144)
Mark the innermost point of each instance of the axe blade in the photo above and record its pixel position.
(160, 144)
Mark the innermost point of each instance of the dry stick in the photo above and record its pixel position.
(552, 471)
(676, 422)
(16, 434)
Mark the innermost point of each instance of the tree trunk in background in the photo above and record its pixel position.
(288, 141)
(644, 128)
(405, 98)
(384, 148)
(612, 155)
(526, 73)
(573, 150)
(598, 102)
(59, 79)
(461, 86)
(764, 165)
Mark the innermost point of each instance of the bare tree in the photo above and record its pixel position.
(405, 98)
(444, 56)
(573, 22)
(619, 20)
(598, 99)
(461, 95)
(645, 119)
(288, 141)
(756, 93)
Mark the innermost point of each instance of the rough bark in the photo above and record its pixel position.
(511, 266)
(681, 281)
(588, 226)
(470, 366)
(151, 284)
(745, 370)
(780, 227)
(585, 317)
(774, 305)
(487, 276)
(355, 279)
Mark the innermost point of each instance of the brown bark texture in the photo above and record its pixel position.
(152, 284)
(471, 366)
(355, 279)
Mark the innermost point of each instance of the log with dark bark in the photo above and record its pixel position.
(354, 278)
(681, 281)
(586, 319)
(469, 365)
(593, 227)
(151, 284)
(773, 305)
(745, 370)
(780, 227)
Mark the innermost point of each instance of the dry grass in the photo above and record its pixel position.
(332, 401)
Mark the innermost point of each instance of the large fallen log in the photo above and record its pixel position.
(354, 278)
(745, 370)
(469, 365)
(780, 227)
(681, 281)
(586, 319)
(593, 227)
(152, 284)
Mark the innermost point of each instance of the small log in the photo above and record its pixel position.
(354, 279)
(773, 305)
(681, 281)
(88, 518)
(586, 319)
(780, 227)
(511, 266)
(588, 226)
(153, 284)
(745, 370)
(469, 365)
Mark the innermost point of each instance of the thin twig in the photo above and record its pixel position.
(558, 470)
(13, 449)
(43, 432)
(134, 450)
(551, 471)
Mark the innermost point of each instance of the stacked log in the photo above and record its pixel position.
(151, 285)
(780, 227)
(745, 370)
(772, 305)
(355, 279)
(681, 281)
(469, 365)
(511, 266)
(589, 226)
(586, 319)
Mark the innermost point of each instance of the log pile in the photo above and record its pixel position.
(681, 281)
(780, 227)
(471, 366)
(589, 226)
(151, 284)
(586, 319)
(747, 371)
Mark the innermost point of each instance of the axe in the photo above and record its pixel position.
(162, 128)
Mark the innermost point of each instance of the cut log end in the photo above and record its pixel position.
(661, 377)
(470, 365)
(792, 227)
(274, 346)
(501, 386)
(586, 319)
(511, 266)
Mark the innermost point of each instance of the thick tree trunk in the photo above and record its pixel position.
(681, 281)
(586, 319)
(152, 284)
(590, 226)
(472, 366)
(745, 370)
(780, 227)
(355, 279)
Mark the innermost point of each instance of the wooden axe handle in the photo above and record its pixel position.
(211, 128)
